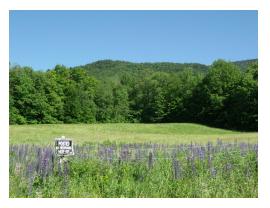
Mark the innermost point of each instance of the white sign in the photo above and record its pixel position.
(63, 146)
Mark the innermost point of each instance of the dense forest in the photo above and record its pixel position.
(224, 94)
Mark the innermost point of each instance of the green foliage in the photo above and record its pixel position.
(242, 103)
(112, 103)
(219, 172)
(226, 98)
(221, 95)
(149, 97)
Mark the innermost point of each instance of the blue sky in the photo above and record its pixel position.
(42, 39)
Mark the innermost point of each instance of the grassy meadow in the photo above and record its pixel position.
(173, 133)
(133, 160)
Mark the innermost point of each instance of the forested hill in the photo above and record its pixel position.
(243, 65)
(223, 94)
(114, 69)
(109, 68)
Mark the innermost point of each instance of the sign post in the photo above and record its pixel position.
(64, 148)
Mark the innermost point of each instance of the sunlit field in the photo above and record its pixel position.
(126, 133)
(133, 160)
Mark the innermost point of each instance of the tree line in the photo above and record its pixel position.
(222, 96)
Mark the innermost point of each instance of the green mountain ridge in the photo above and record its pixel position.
(115, 68)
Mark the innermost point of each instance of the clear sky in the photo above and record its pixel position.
(42, 39)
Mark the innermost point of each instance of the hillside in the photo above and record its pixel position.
(114, 69)
(243, 65)
(101, 69)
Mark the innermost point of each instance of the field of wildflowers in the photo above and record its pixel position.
(136, 170)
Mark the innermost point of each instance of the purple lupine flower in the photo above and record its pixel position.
(255, 149)
(45, 169)
(123, 155)
(52, 162)
(243, 148)
(110, 154)
(150, 160)
(209, 160)
(188, 160)
(219, 145)
(129, 154)
(21, 153)
(30, 177)
(138, 155)
(201, 153)
(176, 169)
(192, 161)
(39, 160)
(101, 152)
(209, 147)
(191, 148)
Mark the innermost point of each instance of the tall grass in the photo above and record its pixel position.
(136, 170)
(169, 133)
